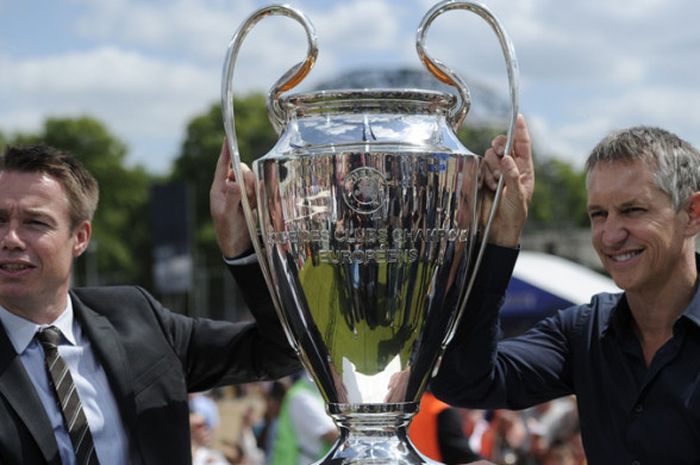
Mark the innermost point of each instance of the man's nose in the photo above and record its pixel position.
(10, 237)
(614, 231)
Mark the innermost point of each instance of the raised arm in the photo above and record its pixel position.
(225, 206)
(519, 184)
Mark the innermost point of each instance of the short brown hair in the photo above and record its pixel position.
(80, 185)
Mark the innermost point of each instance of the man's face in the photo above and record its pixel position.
(637, 233)
(37, 244)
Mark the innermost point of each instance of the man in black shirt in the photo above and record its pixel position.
(632, 359)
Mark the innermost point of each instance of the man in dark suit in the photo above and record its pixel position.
(119, 363)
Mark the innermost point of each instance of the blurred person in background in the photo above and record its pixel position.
(506, 439)
(267, 427)
(554, 422)
(203, 404)
(202, 436)
(252, 454)
(437, 432)
(560, 453)
(305, 431)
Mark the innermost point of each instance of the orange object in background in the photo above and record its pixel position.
(423, 430)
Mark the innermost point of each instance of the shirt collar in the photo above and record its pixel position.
(620, 317)
(21, 331)
(620, 314)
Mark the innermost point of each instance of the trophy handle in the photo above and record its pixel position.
(448, 76)
(289, 80)
(445, 74)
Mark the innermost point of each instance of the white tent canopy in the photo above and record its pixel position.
(561, 277)
(542, 284)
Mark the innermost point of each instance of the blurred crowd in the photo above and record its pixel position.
(245, 425)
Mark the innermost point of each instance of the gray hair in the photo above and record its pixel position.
(675, 163)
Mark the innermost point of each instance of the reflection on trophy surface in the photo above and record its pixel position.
(369, 247)
(369, 210)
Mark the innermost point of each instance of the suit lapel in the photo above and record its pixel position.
(19, 391)
(111, 354)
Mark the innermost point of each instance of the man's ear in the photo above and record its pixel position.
(82, 234)
(693, 210)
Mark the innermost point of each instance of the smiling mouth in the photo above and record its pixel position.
(624, 256)
(14, 267)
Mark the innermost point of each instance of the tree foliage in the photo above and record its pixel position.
(560, 195)
(122, 228)
(477, 139)
(560, 190)
(559, 198)
(200, 151)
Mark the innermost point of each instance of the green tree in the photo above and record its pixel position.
(560, 190)
(560, 195)
(559, 198)
(120, 246)
(195, 165)
(200, 150)
(477, 139)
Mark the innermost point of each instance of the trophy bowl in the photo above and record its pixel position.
(370, 226)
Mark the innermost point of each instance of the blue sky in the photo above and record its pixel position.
(145, 67)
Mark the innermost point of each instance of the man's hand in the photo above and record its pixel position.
(225, 205)
(519, 184)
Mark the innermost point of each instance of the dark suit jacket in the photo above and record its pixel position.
(152, 358)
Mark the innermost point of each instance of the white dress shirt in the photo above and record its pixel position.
(90, 380)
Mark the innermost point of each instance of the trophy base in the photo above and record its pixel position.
(374, 434)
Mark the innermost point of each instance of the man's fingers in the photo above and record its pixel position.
(249, 180)
(223, 164)
(492, 168)
(521, 141)
(511, 174)
(521, 132)
(522, 145)
(498, 144)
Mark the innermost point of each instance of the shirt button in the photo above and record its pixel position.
(638, 409)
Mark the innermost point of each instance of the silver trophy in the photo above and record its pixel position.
(371, 232)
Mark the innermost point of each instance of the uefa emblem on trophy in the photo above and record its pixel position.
(369, 215)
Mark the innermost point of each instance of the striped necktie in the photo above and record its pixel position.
(67, 398)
